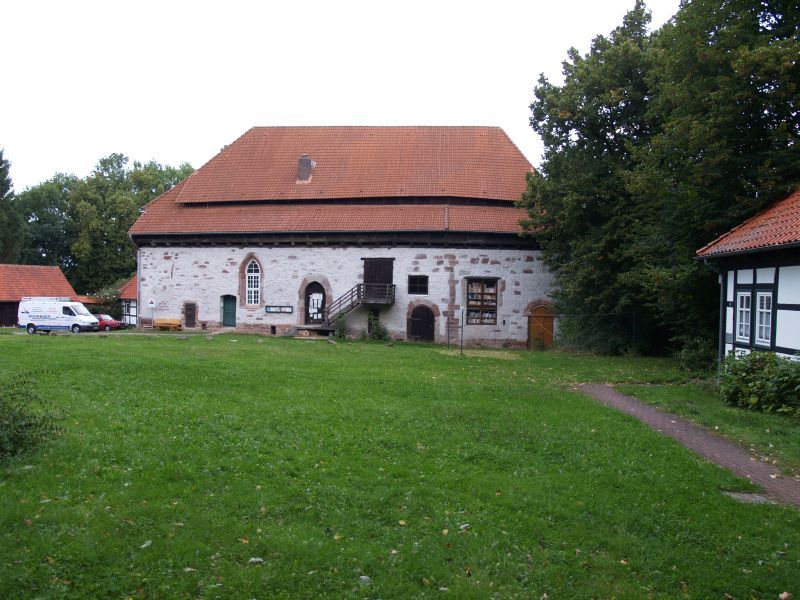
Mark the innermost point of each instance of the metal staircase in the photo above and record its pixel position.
(362, 293)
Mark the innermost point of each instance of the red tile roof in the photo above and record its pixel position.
(128, 289)
(362, 162)
(236, 191)
(777, 226)
(17, 281)
(164, 216)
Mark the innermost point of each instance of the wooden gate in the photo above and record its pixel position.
(540, 328)
(229, 311)
(420, 326)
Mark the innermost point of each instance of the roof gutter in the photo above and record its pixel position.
(788, 246)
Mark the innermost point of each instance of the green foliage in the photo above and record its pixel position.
(761, 381)
(10, 219)
(24, 417)
(340, 333)
(105, 205)
(697, 355)
(376, 331)
(49, 223)
(108, 299)
(81, 225)
(654, 145)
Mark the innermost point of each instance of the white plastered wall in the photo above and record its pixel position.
(174, 276)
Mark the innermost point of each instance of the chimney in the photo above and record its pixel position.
(304, 166)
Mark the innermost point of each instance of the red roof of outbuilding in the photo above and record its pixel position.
(362, 162)
(777, 226)
(17, 281)
(128, 289)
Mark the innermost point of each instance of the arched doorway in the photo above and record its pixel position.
(315, 303)
(420, 324)
(540, 328)
(229, 311)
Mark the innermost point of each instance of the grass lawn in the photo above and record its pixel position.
(242, 467)
(771, 436)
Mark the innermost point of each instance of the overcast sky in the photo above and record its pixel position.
(175, 81)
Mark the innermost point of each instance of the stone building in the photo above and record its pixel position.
(295, 228)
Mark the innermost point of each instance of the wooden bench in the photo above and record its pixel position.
(167, 324)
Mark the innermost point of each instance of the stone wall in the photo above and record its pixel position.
(173, 277)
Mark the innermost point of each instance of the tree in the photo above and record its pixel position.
(49, 227)
(580, 207)
(105, 205)
(10, 219)
(724, 82)
(698, 130)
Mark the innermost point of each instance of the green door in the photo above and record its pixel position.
(229, 311)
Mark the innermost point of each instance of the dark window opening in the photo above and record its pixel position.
(418, 284)
(481, 301)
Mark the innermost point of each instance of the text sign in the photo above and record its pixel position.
(279, 309)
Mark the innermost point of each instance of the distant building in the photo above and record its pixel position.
(295, 228)
(128, 301)
(759, 266)
(18, 281)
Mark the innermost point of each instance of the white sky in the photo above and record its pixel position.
(175, 81)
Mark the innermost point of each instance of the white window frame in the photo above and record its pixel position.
(253, 283)
(743, 324)
(764, 318)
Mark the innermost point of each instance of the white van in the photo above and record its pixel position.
(46, 314)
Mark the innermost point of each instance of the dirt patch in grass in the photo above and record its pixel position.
(472, 353)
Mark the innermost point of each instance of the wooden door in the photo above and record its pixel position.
(420, 327)
(229, 311)
(190, 314)
(540, 328)
(378, 278)
(378, 270)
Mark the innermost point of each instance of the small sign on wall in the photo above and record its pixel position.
(279, 309)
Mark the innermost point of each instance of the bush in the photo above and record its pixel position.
(376, 331)
(697, 355)
(340, 333)
(761, 381)
(24, 418)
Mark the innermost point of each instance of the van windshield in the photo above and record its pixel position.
(80, 309)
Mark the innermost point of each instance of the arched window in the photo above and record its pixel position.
(253, 283)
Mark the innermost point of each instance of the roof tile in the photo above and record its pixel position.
(362, 162)
(17, 281)
(776, 226)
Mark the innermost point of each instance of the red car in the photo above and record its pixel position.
(107, 323)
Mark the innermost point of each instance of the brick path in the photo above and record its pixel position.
(722, 452)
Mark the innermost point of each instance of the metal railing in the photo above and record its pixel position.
(362, 293)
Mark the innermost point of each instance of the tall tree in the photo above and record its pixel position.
(49, 228)
(724, 82)
(633, 183)
(10, 219)
(104, 206)
(579, 204)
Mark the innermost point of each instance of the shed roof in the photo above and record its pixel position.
(775, 227)
(17, 281)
